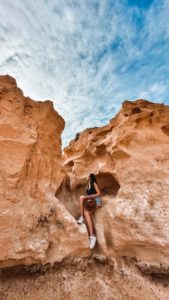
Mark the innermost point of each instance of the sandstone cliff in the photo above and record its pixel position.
(130, 157)
(39, 191)
(34, 225)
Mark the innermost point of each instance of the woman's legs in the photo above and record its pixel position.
(81, 199)
(89, 222)
(81, 218)
(90, 228)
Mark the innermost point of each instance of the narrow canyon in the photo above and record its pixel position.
(44, 253)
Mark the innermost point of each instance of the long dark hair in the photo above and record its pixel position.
(92, 179)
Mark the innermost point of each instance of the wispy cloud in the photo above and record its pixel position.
(87, 56)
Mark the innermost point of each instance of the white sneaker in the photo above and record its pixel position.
(80, 220)
(92, 241)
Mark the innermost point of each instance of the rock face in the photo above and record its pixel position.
(130, 157)
(40, 186)
(39, 191)
(34, 224)
(84, 279)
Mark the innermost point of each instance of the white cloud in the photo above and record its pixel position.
(87, 56)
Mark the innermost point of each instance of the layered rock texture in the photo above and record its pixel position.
(39, 191)
(34, 225)
(130, 157)
(84, 279)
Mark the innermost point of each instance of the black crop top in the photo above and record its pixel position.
(91, 190)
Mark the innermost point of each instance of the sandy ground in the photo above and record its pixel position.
(116, 279)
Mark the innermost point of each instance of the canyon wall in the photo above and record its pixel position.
(35, 227)
(130, 157)
(40, 185)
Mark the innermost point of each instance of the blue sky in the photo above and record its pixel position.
(88, 56)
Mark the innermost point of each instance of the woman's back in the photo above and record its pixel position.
(91, 190)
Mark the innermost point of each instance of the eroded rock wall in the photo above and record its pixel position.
(34, 224)
(130, 157)
(39, 188)
(83, 279)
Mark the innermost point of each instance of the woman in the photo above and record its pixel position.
(92, 191)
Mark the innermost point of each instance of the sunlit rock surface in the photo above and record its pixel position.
(39, 191)
(34, 225)
(130, 157)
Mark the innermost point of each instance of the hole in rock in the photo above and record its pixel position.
(151, 113)
(165, 129)
(100, 149)
(135, 110)
(77, 136)
(70, 164)
(108, 183)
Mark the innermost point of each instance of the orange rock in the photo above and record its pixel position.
(40, 187)
(130, 157)
(34, 224)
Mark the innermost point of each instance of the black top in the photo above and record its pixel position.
(91, 190)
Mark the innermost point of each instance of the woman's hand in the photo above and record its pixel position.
(86, 197)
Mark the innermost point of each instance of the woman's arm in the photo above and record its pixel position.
(97, 190)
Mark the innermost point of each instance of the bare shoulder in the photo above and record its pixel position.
(96, 186)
